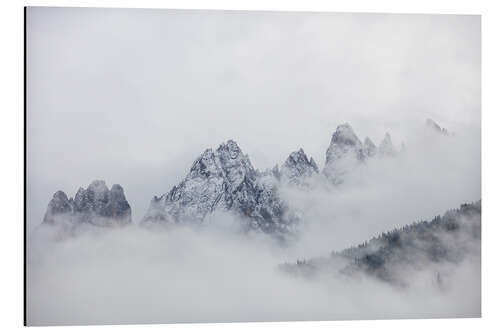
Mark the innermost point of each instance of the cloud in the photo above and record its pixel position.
(134, 96)
(134, 275)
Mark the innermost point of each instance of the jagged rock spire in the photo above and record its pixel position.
(369, 148)
(95, 205)
(59, 205)
(386, 148)
(343, 140)
(225, 180)
(344, 152)
(298, 168)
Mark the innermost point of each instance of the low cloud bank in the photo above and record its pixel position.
(136, 275)
(216, 273)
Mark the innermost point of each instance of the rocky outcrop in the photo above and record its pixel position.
(298, 169)
(96, 205)
(223, 180)
(369, 148)
(58, 206)
(386, 148)
(344, 153)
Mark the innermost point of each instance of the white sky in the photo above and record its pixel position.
(133, 96)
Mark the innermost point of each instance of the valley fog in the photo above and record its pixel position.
(217, 273)
(135, 276)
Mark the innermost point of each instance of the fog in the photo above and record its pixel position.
(135, 276)
(135, 96)
(433, 174)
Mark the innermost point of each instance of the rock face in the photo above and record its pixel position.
(223, 180)
(386, 148)
(344, 153)
(369, 148)
(298, 168)
(59, 205)
(95, 205)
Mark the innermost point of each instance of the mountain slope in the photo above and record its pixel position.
(393, 256)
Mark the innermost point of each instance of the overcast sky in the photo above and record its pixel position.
(133, 96)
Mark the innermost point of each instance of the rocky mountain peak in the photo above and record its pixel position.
(223, 180)
(344, 141)
(369, 148)
(386, 148)
(95, 205)
(298, 167)
(235, 165)
(229, 149)
(98, 186)
(344, 135)
(59, 205)
(205, 166)
(60, 197)
(344, 153)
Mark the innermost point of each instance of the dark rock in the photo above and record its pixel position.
(59, 205)
(95, 205)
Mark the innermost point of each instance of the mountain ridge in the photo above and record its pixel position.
(224, 179)
(447, 238)
(96, 205)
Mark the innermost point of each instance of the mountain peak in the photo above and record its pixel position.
(386, 147)
(223, 180)
(344, 153)
(60, 196)
(298, 167)
(344, 135)
(95, 205)
(231, 147)
(59, 205)
(98, 186)
(369, 148)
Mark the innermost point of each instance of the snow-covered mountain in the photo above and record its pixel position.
(398, 255)
(224, 180)
(346, 152)
(386, 148)
(369, 148)
(298, 169)
(96, 205)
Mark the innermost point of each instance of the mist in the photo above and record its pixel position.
(134, 96)
(184, 275)
(219, 272)
(432, 174)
